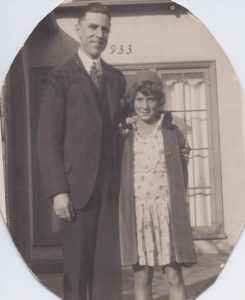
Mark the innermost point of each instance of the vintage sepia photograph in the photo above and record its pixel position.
(123, 151)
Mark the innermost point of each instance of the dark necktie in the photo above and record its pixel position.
(96, 75)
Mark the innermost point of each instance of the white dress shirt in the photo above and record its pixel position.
(88, 61)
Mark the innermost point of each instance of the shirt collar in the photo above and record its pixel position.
(88, 61)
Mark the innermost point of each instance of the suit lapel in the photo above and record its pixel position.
(111, 89)
(88, 89)
(86, 84)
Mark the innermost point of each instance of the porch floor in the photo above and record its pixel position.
(197, 278)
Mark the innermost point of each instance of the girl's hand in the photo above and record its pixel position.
(185, 152)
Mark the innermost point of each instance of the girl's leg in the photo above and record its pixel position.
(175, 282)
(143, 282)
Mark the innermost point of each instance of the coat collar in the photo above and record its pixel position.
(167, 120)
(166, 126)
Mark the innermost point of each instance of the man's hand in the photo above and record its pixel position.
(63, 207)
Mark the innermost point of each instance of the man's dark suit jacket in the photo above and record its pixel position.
(70, 127)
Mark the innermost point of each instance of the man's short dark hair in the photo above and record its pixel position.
(94, 7)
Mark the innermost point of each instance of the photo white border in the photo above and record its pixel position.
(225, 20)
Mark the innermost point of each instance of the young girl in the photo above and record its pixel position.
(154, 219)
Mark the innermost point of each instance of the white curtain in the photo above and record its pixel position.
(186, 97)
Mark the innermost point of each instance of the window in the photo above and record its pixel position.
(191, 97)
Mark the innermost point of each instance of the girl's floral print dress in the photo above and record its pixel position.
(151, 199)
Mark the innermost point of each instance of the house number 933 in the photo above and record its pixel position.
(121, 49)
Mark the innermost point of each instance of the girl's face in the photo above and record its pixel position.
(146, 108)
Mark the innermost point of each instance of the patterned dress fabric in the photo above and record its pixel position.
(151, 200)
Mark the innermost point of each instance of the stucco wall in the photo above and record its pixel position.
(169, 38)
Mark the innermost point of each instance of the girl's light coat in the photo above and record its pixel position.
(174, 143)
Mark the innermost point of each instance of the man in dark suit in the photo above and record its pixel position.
(77, 146)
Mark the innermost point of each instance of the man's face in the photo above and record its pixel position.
(93, 31)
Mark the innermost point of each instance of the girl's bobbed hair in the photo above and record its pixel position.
(149, 84)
